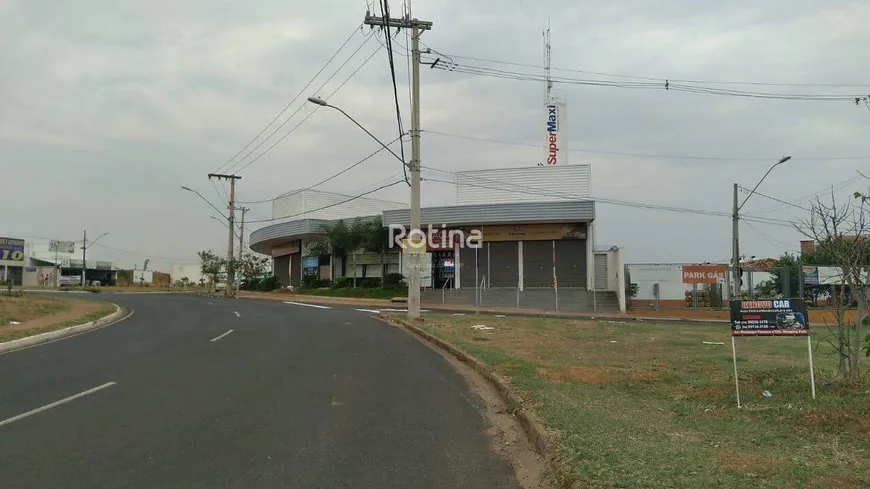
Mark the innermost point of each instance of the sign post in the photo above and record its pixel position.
(779, 317)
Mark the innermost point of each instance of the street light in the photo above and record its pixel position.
(324, 103)
(735, 228)
(85, 254)
(206, 200)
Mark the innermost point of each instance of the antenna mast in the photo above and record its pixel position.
(547, 62)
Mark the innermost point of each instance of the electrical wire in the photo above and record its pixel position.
(385, 13)
(640, 155)
(773, 241)
(295, 97)
(667, 85)
(288, 119)
(316, 108)
(808, 197)
(355, 197)
(659, 79)
(774, 199)
(351, 167)
(144, 255)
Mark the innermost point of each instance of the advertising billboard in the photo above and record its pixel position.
(534, 232)
(555, 139)
(310, 265)
(61, 246)
(12, 249)
(779, 317)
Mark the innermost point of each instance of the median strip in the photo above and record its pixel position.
(55, 404)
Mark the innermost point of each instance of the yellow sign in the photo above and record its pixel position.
(414, 247)
(534, 232)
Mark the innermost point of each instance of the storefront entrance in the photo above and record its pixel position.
(443, 269)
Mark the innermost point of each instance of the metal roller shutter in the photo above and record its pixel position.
(537, 263)
(467, 262)
(281, 269)
(601, 272)
(296, 269)
(503, 264)
(571, 263)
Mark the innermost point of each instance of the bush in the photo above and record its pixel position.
(310, 281)
(393, 279)
(341, 282)
(93, 290)
(269, 283)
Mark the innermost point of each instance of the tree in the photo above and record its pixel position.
(338, 240)
(375, 239)
(792, 263)
(840, 232)
(251, 267)
(211, 266)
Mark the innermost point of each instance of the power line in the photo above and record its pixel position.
(144, 255)
(769, 239)
(351, 167)
(641, 155)
(316, 108)
(363, 194)
(774, 199)
(385, 13)
(808, 197)
(353, 32)
(666, 85)
(660, 79)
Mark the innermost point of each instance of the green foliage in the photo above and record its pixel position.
(393, 279)
(341, 282)
(310, 281)
(788, 261)
(631, 290)
(866, 346)
(252, 267)
(269, 283)
(210, 265)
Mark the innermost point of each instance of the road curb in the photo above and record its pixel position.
(29, 341)
(534, 429)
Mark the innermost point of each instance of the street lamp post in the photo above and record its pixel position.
(85, 253)
(414, 267)
(735, 229)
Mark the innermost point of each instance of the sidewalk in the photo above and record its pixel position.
(377, 303)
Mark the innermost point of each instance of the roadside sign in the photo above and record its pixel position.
(703, 274)
(62, 246)
(779, 317)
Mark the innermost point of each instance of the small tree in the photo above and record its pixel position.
(840, 232)
(211, 266)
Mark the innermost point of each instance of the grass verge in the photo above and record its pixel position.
(646, 405)
(385, 293)
(39, 314)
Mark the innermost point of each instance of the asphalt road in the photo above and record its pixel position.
(296, 396)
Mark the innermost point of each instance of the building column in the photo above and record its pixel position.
(520, 265)
(590, 256)
(457, 265)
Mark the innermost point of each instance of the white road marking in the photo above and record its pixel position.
(307, 305)
(458, 314)
(221, 336)
(373, 311)
(499, 315)
(55, 404)
(237, 314)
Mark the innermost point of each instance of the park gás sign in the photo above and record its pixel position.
(778, 317)
(703, 274)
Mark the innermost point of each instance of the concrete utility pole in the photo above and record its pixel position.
(228, 292)
(416, 26)
(735, 249)
(735, 227)
(84, 255)
(242, 233)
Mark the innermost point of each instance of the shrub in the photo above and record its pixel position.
(269, 283)
(341, 282)
(93, 290)
(393, 279)
(310, 281)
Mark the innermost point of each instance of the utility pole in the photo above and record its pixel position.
(416, 26)
(84, 255)
(735, 249)
(228, 292)
(242, 233)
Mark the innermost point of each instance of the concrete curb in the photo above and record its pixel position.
(534, 429)
(116, 316)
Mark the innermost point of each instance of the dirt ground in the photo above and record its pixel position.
(38, 314)
(76, 310)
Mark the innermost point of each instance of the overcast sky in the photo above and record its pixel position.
(108, 107)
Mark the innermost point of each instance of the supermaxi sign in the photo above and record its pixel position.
(556, 149)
